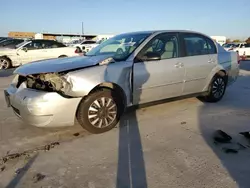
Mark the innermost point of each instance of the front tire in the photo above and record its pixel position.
(4, 63)
(100, 111)
(216, 88)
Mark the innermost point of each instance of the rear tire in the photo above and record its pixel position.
(5, 63)
(216, 89)
(100, 111)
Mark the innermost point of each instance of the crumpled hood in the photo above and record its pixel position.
(59, 64)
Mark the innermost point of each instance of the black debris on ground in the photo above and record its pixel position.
(183, 122)
(50, 146)
(221, 137)
(76, 134)
(18, 171)
(27, 152)
(38, 177)
(245, 134)
(229, 150)
(241, 146)
(2, 168)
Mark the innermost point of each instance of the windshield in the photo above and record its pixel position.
(119, 47)
(229, 45)
(22, 43)
(10, 42)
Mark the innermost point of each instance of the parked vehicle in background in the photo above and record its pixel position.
(10, 43)
(34, 50)
(3, 38)
(229, 46)
(243, 49)
(219, 39)
(86, 45)
(126, 70)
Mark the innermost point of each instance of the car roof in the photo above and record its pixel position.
(164, 31)
(40, 40)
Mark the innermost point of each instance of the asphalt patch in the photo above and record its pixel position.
(27, 152)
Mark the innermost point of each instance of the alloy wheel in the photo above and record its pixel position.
(3, 64)
(218, 87)
(102, 112)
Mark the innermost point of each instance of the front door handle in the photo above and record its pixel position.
(179, 65)
(210, 61)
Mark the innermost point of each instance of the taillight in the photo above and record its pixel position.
(238, 57)
(78, 50)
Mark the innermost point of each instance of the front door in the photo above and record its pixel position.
(199, 61)
(32, 51)
(158, 79)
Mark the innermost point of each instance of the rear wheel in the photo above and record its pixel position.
(216, 88)
(100, 111)
(4, 63)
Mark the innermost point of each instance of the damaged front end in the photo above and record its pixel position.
(50, 82)
(64, 83)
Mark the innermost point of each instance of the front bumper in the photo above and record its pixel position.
(40, 108)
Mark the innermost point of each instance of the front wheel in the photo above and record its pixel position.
(216, 89)
(4, 63)
(100, 111)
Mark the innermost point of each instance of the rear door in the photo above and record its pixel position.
(158, 79)
(200, 59)
(53, 49)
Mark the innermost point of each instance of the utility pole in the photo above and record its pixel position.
(82, 30)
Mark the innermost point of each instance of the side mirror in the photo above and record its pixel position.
(25, 49)
(151, 56)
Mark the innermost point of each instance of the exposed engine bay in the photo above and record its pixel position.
(51, 82)
(64, 83)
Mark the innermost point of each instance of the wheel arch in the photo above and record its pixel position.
(219, 70)
(61, 56)
(7, 57)
(114, 87)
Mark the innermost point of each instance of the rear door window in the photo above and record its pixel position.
(196, 44)
(52, 44)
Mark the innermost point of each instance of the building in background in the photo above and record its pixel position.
(62, 37)
(220, 39)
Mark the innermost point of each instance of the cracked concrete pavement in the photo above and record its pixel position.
(166, 145)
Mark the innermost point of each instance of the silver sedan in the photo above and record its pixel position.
(128, 69)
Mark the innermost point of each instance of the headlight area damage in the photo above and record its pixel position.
(60, 82)
(50, 82)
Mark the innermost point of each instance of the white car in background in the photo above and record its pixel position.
(34, 50)
(243, 49)
(86, 45)
(229, 46)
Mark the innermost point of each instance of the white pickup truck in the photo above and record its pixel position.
(86, 45)
(34, 50)
(243, 49)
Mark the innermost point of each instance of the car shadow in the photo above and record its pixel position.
(7, 73)
(234, 103)
(245, 65)
(131, 171)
